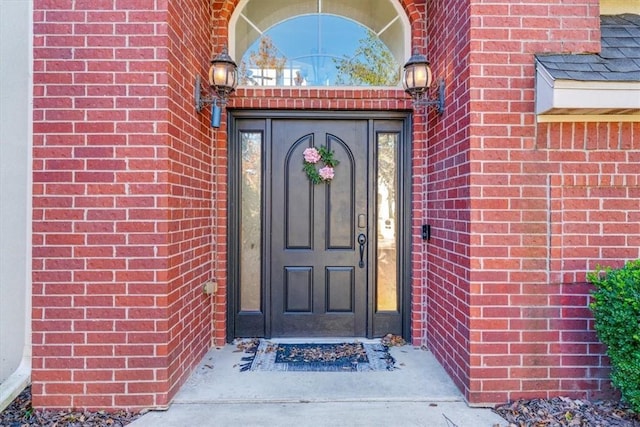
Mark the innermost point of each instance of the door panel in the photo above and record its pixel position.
(317, 288)
(298, 204)
(341, 194)
(297, 289)
(340, 289)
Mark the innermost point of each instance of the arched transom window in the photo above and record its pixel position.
(319, 42)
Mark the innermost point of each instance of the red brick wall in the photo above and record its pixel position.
(190, 227)
(130, 200)
(122, 202)
(536, 226)
(577, 191)
(446, 193)
(221, 13)
(594, 190)
(515, 206)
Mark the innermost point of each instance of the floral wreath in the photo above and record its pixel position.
(311, 157)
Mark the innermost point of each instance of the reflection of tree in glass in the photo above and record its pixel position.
(372, 64)
(266, 58)
(251, 182)
(251, 161)
(243, 74)
(387, 166)
(386, 280)
(250, 229)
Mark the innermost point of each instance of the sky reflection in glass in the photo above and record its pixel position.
(310, 44)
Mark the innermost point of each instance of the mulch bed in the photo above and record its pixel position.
(563, 411)
(555, 412)
(20, 413)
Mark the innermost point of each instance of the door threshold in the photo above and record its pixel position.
(322, 340)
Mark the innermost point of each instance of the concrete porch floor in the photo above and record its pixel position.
(418, 393)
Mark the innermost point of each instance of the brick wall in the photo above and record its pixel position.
(122, 202)
(190, 176)
(130, 200)
(221, 13)
(520, 211)
(548, 203)
(576, 191)
(446, 195)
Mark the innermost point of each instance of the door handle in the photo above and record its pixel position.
(362, 240)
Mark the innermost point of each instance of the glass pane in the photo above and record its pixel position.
(250, 228)
(318, 49)
(386, 266)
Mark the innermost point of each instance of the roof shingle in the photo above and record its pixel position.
(618, 61)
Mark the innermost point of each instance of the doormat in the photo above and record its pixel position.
(339, 357)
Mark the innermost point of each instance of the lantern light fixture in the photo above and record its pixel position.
(223, 80)
(417, 79)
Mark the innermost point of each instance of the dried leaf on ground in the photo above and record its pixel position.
(21, 413)
(567, 412)
(391, 340)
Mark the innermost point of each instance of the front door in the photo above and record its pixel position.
(319, 232)
(317, 259)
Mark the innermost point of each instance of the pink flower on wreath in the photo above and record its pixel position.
(311, 155)
(326, 173)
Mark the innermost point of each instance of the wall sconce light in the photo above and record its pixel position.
(417, 79)
(223, 79)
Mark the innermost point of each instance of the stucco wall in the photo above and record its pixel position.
(15, 187)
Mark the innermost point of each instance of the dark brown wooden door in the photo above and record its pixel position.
(294, 255)
(318, 284)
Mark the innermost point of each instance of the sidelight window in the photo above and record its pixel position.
(386, 265)
(250, 231)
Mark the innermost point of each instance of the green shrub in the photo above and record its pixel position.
(616, 309)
